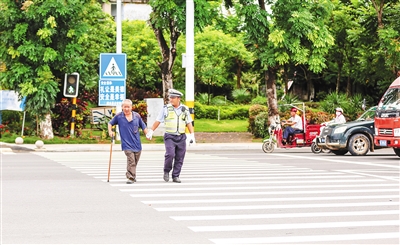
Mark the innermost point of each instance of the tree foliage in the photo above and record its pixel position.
(141, 48)
(168, 19)
(43, 40)
(220, 58)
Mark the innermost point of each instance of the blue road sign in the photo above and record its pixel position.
(112, 66)
(111, 92)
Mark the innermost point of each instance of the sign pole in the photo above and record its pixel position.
(73, 117)
(189, 75)
(23, 124)
(119, 27)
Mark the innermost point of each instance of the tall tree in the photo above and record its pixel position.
(141, 48)
(168, 19)
(370, 34)
(295, 33)
(44, 39)
(220, 58)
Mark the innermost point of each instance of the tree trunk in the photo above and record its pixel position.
(379, 5)
(310, 87)
(168, 57)
(285, 80)
(272, 101)
(46, 129)
(340, 66)
(238, 73)
(348, 87)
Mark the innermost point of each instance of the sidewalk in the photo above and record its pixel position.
(7, 147)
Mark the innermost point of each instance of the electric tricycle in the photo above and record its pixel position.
(305, 138)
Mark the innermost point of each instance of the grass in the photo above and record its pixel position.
(94, 136)
(215, 126)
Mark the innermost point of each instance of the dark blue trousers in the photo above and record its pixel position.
(288, 131)
(175, 150)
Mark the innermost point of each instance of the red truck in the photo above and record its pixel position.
(387, 119)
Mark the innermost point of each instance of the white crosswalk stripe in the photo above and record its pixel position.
(234, 201)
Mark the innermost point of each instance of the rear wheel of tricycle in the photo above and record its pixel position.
(315, 149)
(268, 146)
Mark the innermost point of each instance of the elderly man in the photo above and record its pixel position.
(176, 117)
(129, 123)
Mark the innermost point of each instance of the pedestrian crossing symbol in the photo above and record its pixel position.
(112, 66)
(112, 69)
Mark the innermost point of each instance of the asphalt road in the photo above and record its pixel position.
(226, 197)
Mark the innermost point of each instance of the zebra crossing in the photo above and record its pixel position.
(232, 201)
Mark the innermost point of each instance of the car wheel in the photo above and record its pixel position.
(359, 145)
(397, 151)
(315, 149)
(339, 152)
(268, 146)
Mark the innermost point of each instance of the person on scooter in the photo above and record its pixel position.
(294, 125)
(339, 118)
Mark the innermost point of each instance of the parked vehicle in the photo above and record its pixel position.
(387, 118)
(303, 139)
(356, 137)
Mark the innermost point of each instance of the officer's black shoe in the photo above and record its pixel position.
(166, 176)
(176, 180)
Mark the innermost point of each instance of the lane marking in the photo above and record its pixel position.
(284, 215)
(340, 161)
(280, 206)
(305, 239)
(274, 199)
(293, 226)
(249, 193)
(179, 188)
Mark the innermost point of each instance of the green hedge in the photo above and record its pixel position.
(225, 112)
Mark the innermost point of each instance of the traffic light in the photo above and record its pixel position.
(71, 85)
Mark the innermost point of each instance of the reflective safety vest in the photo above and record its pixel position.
(175, 124)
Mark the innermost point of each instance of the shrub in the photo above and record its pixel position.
(254, 111)
(241, 95)
(141, 108)
(61, 117)
(351, 106)
(260, 129)
(334, 100)
(224, 112)
(261, 100)
(12, 123)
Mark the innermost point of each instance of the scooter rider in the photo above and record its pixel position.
(339, 118)
(176, 117)
(295, 125)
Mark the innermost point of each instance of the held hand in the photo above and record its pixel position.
(113, 139)
(191, 140)
(149, 134)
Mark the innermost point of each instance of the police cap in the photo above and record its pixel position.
(174, 93)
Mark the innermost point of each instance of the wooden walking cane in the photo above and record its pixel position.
(112, 142)
(109, 162)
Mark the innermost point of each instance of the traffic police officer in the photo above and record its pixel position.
(176, 117)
